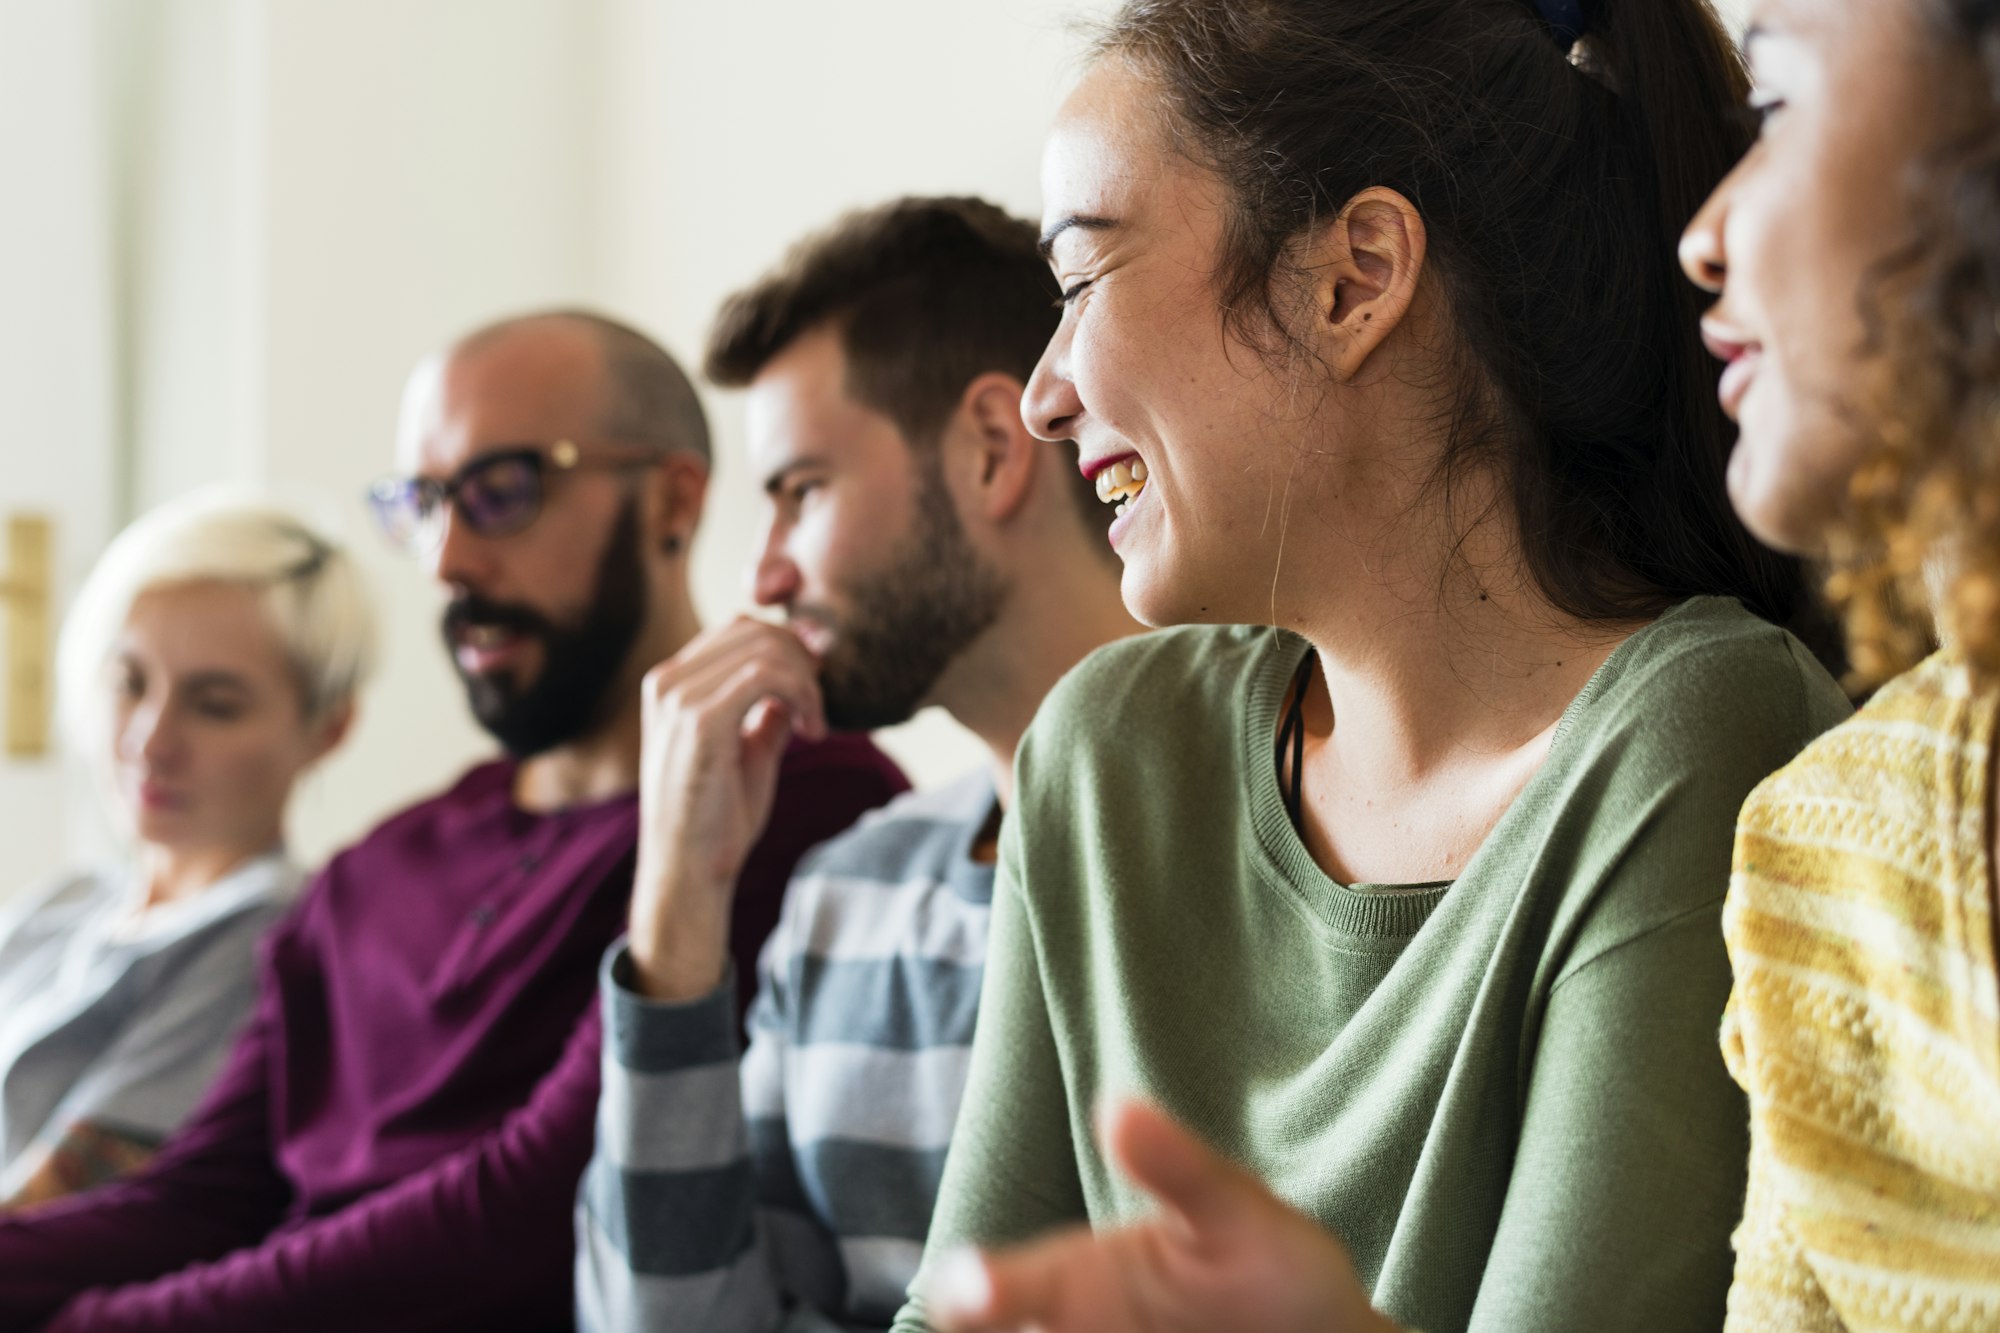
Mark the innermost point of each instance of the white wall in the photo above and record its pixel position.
(307, 197)
(56, 359)
(277, 205)
(737, 127)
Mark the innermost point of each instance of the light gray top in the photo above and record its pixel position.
(120, 1017)
(795, 1190)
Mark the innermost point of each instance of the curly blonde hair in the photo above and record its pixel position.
(1916, 557)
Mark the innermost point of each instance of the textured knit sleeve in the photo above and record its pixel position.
(1012, 1171)
(666, 1234)
(1774, 1290)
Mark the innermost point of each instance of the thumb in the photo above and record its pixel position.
(1200, 1191)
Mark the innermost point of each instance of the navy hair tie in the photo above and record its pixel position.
(1565, 19)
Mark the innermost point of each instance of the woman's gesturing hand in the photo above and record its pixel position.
(1223, 1253)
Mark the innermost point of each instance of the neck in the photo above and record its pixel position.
(171, 874)
(605, 763)
(1054, 618)
(1439, 654)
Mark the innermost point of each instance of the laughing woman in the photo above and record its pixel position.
(211, 659)
(1856, 257)
(1408, 896)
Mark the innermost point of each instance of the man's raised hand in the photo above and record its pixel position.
(718, 716)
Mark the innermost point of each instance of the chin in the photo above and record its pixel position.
(158, 827)
(1158, 601)
(1786, 496)
(1780, 516)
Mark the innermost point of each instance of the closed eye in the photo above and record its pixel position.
(1071, 293)
(1762, 107)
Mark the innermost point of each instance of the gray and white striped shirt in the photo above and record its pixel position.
(792, 1189)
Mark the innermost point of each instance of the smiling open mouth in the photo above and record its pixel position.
(1121, 483)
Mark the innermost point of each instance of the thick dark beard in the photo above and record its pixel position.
(911, 620)
(571, 695)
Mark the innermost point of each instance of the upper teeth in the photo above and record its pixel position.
(1123, 480)
(485, 636)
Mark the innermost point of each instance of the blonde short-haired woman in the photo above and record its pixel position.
(210, 660)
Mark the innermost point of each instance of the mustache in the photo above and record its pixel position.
(473, 610)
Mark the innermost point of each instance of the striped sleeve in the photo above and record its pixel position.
(793, 1190)
(667, 1235)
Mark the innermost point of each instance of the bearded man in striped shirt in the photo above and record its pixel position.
(925, 549)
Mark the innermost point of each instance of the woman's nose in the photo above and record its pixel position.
(1051, 405)
(148, 736)
(1704, 257)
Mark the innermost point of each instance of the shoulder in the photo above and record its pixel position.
(1896, 754)
(1886, 805)
(1648, 779)
(1712, 686)
(425, 832)
(1169, 664)
(1160, 690)
(918, 830)
(70, 891)
(53, 908)
(480, 790)
(1857, 909)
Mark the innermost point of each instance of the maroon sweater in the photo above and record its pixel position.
(396, 1140)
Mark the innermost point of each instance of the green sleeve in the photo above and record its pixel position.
(1011, 1172)
(1630, 1170)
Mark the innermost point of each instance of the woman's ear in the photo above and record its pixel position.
(675, 494)
(330, 731)
(1365, 265)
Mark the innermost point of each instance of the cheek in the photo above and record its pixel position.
(245, 773)
(1798, 438)
(847, 539)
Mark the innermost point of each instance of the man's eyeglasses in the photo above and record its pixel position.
(496, 494)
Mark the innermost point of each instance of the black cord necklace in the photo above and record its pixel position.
(1292, 736)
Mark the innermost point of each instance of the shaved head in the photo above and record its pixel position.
(638, 393)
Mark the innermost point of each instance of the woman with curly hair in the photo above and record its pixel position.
(1855, 254)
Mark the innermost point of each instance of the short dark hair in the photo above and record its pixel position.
(1553, 182)
(926, 294)
(648, 398)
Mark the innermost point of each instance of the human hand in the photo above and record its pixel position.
(717, 718)
(1223, 1253)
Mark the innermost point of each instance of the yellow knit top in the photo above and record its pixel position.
(1865, 1023)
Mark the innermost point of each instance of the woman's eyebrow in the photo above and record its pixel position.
(215, 679)
(1047, 247)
